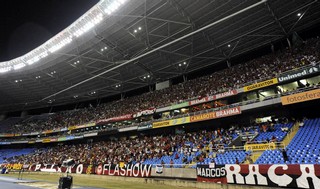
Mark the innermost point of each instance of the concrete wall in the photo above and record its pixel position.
(169, 182)
(178, 173)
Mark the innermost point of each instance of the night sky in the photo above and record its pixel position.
(26, 24)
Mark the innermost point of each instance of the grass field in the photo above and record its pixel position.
(96, 181)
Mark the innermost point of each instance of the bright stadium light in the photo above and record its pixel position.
(5, 69)
(113, 6)
(18, 66)
(85, 23)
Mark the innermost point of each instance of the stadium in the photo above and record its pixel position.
(160, 94)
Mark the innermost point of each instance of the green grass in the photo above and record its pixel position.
(96, 181)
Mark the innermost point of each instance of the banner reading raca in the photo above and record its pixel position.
(276, 175)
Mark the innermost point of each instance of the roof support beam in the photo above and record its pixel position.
(276, 18)
(158, 48)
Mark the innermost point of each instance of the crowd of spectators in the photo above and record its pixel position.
(230, 78)
(134, 149)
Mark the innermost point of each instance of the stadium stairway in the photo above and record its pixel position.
(293, 131)
(287, 139)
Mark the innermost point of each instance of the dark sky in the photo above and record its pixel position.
(26, 24)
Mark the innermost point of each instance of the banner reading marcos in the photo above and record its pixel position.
(260, 85)
(301, 97)
(276, 175)
(211, 173)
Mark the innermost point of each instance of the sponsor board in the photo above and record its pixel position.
(144, 127)
(85, 125)
(46, 140)
(225, 94)
(301, 97)
(129, 170)
(295, 74)
(228, 112)
(216, 114)
(128, 129)
(113, 119)
(171, 122)
(276, 175)
(214, 97)
(260, 147)
(179, 121)
(161, 124)
(261, 84)
(145, 112)
(202, 117)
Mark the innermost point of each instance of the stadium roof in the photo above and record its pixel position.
(142, 42)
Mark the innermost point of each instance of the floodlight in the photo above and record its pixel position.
(18, 66)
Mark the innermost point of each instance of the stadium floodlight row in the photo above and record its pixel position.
(82, 25)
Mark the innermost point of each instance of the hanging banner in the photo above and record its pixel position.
(171, 122)
(228, 112)
(276, 175)
(260, 147)
(145, 112)
(299, 73)
(211, 173)
(261, 84)
(203, 117)
(113, 119)
(129, 170)
(301, 97)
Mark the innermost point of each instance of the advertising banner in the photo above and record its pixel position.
(201, 100)
(161, 124)
(85, 125)
(145, 112)
(171, 122)
(225, 94)
(144, 127)
(299, 73)
(260, 147)
(214, 97)
(129, 170)
(46, 140)
(119, 118)
(228, 112)
(179, 121)
(203, 117)
(301, 97)
(276, 175)
(261, 84)
(125, 129)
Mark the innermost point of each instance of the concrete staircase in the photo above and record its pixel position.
(291, 134)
